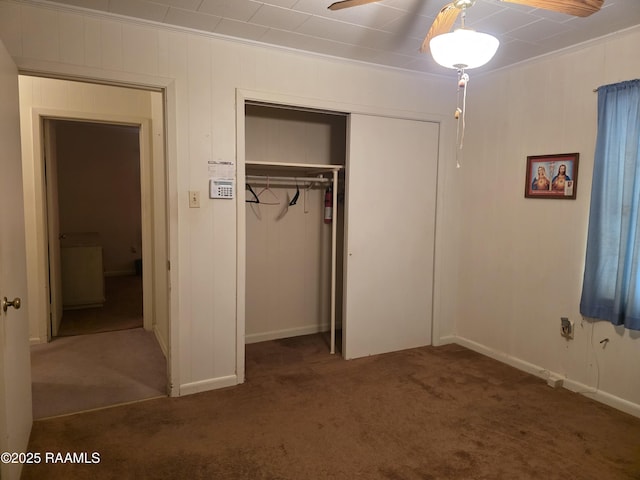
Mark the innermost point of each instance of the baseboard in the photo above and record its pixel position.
(36, 341)
(209, 384)
(541, 372)
(446, 340)
(285, 333)
(603, 397)
(161, 341)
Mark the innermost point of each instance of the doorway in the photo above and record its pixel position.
(95, 226)
(112, 208)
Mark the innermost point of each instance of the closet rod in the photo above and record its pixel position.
(292, 179)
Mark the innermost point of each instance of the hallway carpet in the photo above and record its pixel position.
(430, 413)
(73, 374)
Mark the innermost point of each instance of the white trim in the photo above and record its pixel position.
(285, 333)
(603, 397)
(241, 238)
(541, 372)
(527, 367)
(38, 115)
(171, 184)
(441, 341)
(161, 341)
(330, 106)
(209, 384)
(169, 106)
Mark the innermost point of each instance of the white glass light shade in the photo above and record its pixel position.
(463, 48)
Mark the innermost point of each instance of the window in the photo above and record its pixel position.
(611, 288)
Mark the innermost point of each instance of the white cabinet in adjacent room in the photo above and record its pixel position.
(82, 271)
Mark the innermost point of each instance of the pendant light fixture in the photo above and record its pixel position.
(463, 48)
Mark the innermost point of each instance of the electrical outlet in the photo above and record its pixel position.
(566, 328)
(194, 199)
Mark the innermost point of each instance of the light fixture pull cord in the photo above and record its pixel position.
(463, 80)
(457, 117)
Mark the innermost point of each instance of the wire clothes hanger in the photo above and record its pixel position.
(294, 200)
(255, 197)
(290, 203)
(275, 200)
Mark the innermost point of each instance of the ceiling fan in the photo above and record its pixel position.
(449, 13)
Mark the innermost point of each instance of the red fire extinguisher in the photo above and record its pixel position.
(328, 205)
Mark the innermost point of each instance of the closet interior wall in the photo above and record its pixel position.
(288, 272)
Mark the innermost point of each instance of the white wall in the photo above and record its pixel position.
(201, 75)
(521, 267)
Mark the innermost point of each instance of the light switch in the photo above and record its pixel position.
(194, 199)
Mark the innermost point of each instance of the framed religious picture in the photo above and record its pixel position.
(552, 176)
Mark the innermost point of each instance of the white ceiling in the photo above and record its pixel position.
(388, 32)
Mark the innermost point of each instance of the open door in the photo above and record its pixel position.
(15, 368)
(53, 224)
(390, 234)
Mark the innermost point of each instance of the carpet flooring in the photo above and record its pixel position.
(433, 413)
(122, 309)
(83, 372)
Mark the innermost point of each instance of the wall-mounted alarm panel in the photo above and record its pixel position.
(221, 188)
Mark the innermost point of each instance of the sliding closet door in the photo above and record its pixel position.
(390, 229)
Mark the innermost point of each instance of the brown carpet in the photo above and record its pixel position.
(122, 309)
(429, 413)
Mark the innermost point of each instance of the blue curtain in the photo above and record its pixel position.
(611, 288)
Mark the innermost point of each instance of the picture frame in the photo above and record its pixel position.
(552, 176)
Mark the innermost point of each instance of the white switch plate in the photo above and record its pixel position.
(194, 199)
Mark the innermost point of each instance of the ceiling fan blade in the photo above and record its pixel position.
(578, 8)
(349, 3)
(442, 24)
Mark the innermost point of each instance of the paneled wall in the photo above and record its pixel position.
(521, 268)
(506, 267)
(202, 74)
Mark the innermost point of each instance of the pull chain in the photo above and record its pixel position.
(461, 110)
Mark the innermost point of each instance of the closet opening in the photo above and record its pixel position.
(295, 162)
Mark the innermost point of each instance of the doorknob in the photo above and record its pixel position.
(15, 303)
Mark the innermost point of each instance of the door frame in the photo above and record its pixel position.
(446, 139)
(159, 268)
(40, 116)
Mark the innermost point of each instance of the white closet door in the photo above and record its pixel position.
(390, 229)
